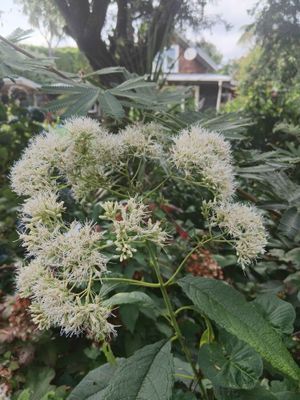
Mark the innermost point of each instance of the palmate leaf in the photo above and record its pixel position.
(133, 84)
(229, 309)
(110, 105)
(230, 363)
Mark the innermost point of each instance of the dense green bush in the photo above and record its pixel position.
(182, 335)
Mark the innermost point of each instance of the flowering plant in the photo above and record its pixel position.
(100, 218)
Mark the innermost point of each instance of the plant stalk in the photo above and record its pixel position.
(174, 322)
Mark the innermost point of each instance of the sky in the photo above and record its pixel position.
(234, 11)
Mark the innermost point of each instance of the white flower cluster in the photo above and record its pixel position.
(65, 258)
(245, 227)
(37, 169)
(132, 224)
(207, 156)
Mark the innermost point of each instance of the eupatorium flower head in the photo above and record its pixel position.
(245, 227)
(207, 156)
(37, 169)
(131, 224)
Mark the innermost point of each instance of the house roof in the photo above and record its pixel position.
(209, 78)
(202, 56)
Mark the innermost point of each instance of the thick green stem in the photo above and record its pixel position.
(131, 282)
(174, 322)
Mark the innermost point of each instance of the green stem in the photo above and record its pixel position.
(174, 322)
(156, 188)
(110, 357)
(131, 282)
(184, 308)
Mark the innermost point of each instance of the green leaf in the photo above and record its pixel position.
(229, 309)
(24, 395)
(183, 371)
(94, 382)
(280, 314)
(139, 298)
(258, 393)
(180, 395)
(147, 375)
(129, 315)
(230, 363)
(110, 105)
(38, 381)
(290, 223)
(133, 83)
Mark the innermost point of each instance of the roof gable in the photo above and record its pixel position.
(202, 57)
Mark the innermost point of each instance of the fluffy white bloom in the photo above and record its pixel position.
(141, 139)
(131, 224)
(80, 126)
(108, 149)
(207, 155)
(89, 157)
(245, 227)
(74, 254)
(44, 207)
(34, 238)
(27, 276)
(53, 304)
(90, 318)
(37, 168)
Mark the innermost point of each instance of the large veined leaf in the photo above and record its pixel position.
(230, 363)
(279, 313)
(94, 382)
(229, 309)
(147, 375)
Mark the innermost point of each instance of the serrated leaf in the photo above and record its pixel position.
(230, 363)
(110, 105)
(133, 83)
(229, 309)
(82, 104)
(147, 375)
(280, 314)
(94, 382)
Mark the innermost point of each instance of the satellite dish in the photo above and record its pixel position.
(190, 54)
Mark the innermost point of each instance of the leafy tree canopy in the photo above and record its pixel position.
(126, 33)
